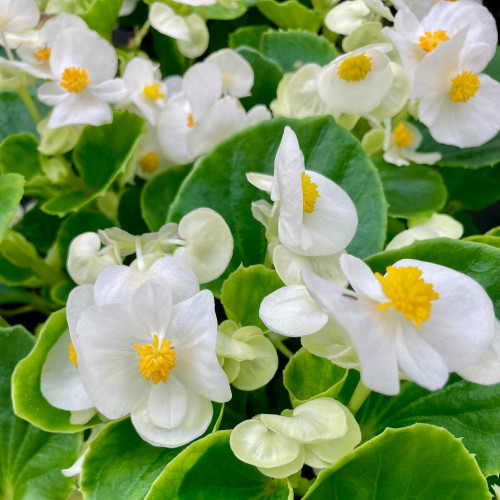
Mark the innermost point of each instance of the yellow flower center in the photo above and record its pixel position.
(42, 54)
(75, 79)
(156, 360)
(152, 91)
(150, 162)
(190, 121)
(408, 293)
(430, 40)
(72, 354)
(309, 193)
(464, 86)
(355, 68)
(403, 136)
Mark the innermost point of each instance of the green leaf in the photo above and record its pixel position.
(412, 191)
(248, 36)
(217, 11)
(11, 193)
(170, 59)
(19, 154)
(493, 68)
(218, 182)
(79, 223)
(290, 14)
(467, 410)
(101, 154)
(493, 241)
(30, 459)
(267, 75)
(208, 470)
(29, 402)
(159, 193)
(478, 261)
(308, 377)
(420, 461)
(129, 211)
(473, 189)
(243, 292)
(102, 15)
(293, 49)
(16, 276)
(120, 464)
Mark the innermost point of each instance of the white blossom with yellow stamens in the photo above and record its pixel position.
(460, 105)
(424, 319)
(416, 39)
(83, 68)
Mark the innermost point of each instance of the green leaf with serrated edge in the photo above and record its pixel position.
(208, 470)
(421, 461)
(290, 14)
(101, 154)
(244, 290)
(467, 410)
(412, 191)
(308, 377)
(248, 36)
(267, 75)
(79, 223)
(218, 182)
(11, 193)
(293, 49)
(29, 402)
(493, 241)
(478, 261)
(120, 464)
(158, 194)
(19, 155)
(30, 459)
(472, 189)
(102, 15)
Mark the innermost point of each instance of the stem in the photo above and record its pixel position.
(219, 420)
(136, 42)
(30, 105)
(358, 398)
(283, 349)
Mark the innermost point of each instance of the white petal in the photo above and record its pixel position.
(234, 349)
(286, 470)
(202, 86)
(361, 278)
(167, 403)
(61, 384)
(51, 93)
(79, 299)
(56, 25)
(198, 37)
(256, 115)
(198, 417)
(193, 331)
(111, 90)
(20, 15)
(263, 182)
(346, 17)
(237, 74)
(209, 245)
(292, 312)
(372, 332)
(166, 21)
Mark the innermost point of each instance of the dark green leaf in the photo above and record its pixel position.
(11, 193)
(129, 212)
(102, 16)
(248, 36)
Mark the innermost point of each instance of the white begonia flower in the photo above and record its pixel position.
(86, 260)
(422, 7)
(154, 358)
(237, 74)
(279, 106)
(416, 39)
(426, 319)
(128, 6)
(316, 217)
(401, 144)
(145, 89)
(61, 384)
(317, 433)
(460, 106)
(17, 16)
(357, 82)
(84, 67)
(35, 54)
(345, 17)
(191, 32)
(248, 357)
(437, 226)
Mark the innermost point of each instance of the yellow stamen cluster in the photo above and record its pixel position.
(190, 121)
(156, 359)
(75, 79)
(403, 136)
(42, 54)
(408, 293)
(355, 68)
(153, 92)
(72, 354)
(149, 162)
(309, 193)
(431, 39)
(464, 86)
